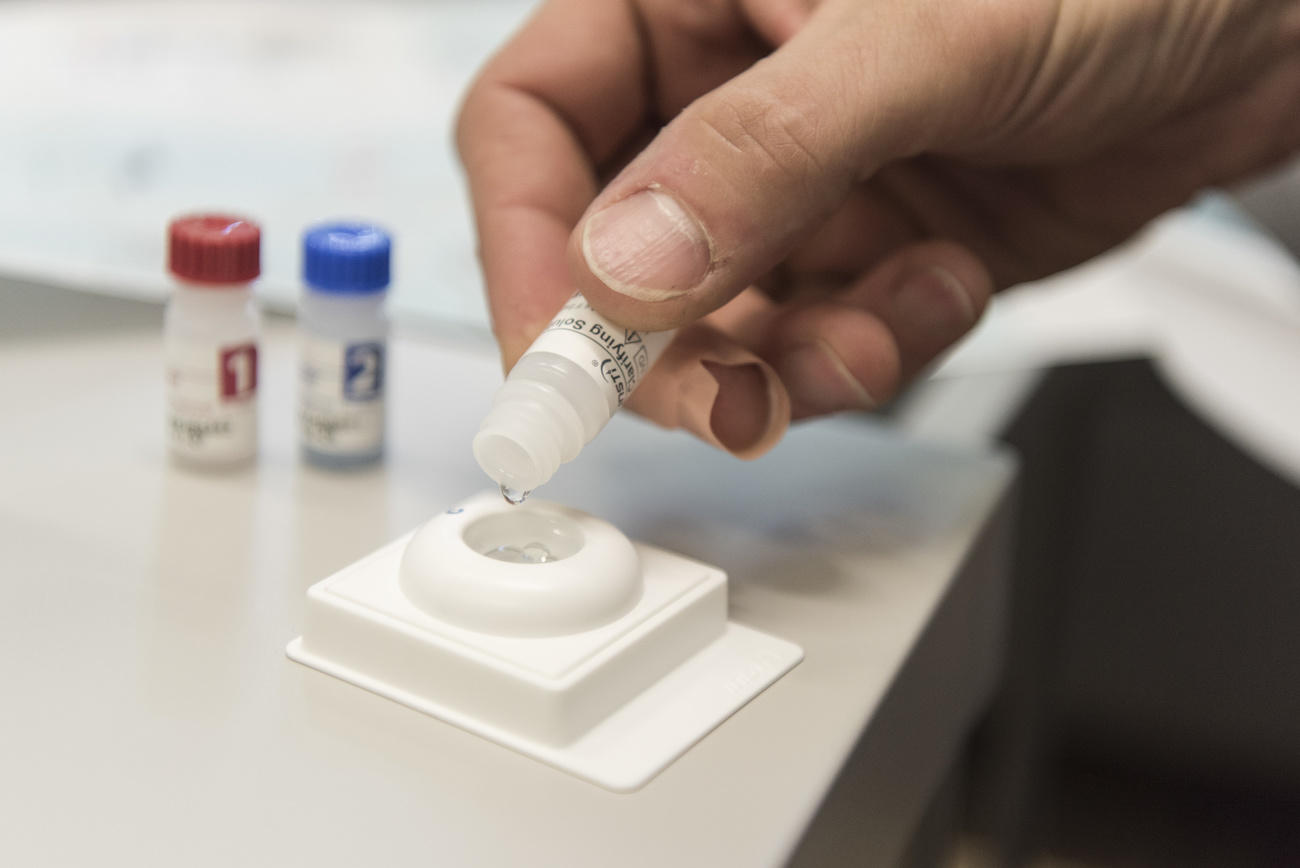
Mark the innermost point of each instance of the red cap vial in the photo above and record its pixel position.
(214, 249)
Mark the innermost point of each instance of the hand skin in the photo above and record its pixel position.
(823, 196)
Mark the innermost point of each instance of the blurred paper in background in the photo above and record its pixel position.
(118, 116)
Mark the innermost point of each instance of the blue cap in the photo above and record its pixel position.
(346, 257)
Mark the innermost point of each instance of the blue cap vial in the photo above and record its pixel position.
(346, 258)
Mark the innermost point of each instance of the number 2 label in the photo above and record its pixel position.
(363, 371)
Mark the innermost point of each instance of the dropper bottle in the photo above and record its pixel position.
(560, 394)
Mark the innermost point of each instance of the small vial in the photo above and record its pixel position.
(560, 395)
(210, 332)
(344, 349)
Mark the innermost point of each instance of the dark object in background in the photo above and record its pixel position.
(1154, 653)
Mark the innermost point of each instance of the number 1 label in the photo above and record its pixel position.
(238, 372)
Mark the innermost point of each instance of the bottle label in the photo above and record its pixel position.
(615, 357)
(341, 395)
(211, 398)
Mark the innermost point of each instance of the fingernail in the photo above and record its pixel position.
(932, 304)
(820, 382)
(646, 246)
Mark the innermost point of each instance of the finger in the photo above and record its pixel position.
(853, 352)
(727, 189)
(833, 356)
(778, 20)
(717, 389)
(694, 47)
(866, 228)
(529, 135)
(929, 296)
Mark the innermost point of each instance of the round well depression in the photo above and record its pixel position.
(478, 568)
(524, 537)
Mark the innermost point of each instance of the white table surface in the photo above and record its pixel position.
(151, 718)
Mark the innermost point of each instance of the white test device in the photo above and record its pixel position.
(545, 630)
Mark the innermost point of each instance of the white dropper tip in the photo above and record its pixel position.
(507, 462)
(520, 444)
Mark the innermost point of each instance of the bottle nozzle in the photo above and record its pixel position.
(517, 446)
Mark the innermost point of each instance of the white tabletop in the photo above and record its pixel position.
(151, 718)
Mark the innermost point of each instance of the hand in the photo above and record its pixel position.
(827, 217)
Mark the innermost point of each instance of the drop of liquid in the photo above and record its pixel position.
(529, 553)
(514, 496)
(537, 553)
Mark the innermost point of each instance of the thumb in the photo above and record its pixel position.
(727, 189)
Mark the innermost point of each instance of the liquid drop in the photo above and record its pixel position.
(514, 496)
(529, 553)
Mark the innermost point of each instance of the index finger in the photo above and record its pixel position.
(557, 100)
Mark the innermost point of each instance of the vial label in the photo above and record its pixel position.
(212, 400)
(615, 357)
(341, 395)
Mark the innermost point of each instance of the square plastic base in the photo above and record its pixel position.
(614, 705)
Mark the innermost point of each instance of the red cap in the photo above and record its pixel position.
(214, 248)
